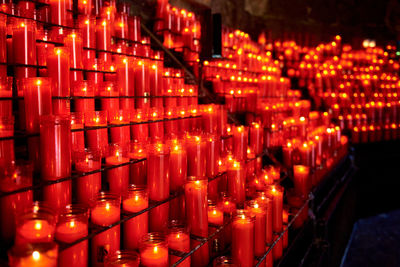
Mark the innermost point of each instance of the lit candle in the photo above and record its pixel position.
(266, 204)
(260, 225)
(213, 155)
(104, 212)
(103, 39)
(178, 239)
(240, 141)
(236, 182)
(72, 225)
(156, 84)
(256, 138)
(73, 42)
(87, 26)
(37, 255)
(210, 119)
(35, 224)
(88, 186)
(154, 250)
(77, 137)
(5, 90)
(216, 219)
(83, 89)
(215, 215)
(140, 130)
(24, 47)
(58, 9)
(287, 151)
(109, 92)
(301, 179)
(58, 71)
(7, 158)
(196, 151)
(156, 127)
(243, 239)
(126, 83)
(196, 214)
(138, 171)
(120, 135)
(178, 163)
(276, 193)
(158, 180)
(134, 201)
(118, 178)
(97, 139)
(56, 158)
(142, 86)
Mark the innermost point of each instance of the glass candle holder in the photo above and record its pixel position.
(240, 142)
(55, 151)
(37, 96)
(256, 138)
(216, 220)
(196, 147)
(301, 179)
(83, 89)
(24, 47)
(178, 164)
(178, 239)
(121, 134)
(126, 82)
(140, 129)
(260, 225)
(171, 124)
(196, 214)
(105, 211)
(35, 224)
(142, 83)
(5, 92)
(78, 137)
(14, 178)
(213, 155)
(158, 180)
(210, 118)
(138, 171)
(276, 193)
(58, 69)
(243, 229)
(73, 42)
(72, 225)
(109, 101)
(154, 250)
(87, 25)
(236, 175)
(103, 39)
(58, 10)
(118, 178)
(87, 186)
(97, 139)
(122, 258)
(34, 255)
(266, 203)
(135, 200)
(156, 127)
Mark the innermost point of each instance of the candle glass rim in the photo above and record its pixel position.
(223, 261)
(153, 239)
(55, 119)
(243, 214)
(192, 179)
(78, 212)
(106, 197)
(121, 257)
(134, 190)
(90, 115)
(36, 211)
(158, 149)
(26, 249)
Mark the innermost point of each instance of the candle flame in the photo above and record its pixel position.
(73, 35)
(58, 51)
(38, 226)
(38, 82)
(104, 23)
(117, 153)
(72, 224)
(176, 148)
(107, 206)
(36, 255)
(136, 198)
(87, 21)
(154, 66)
(155, 249)
(178, 236)
(256, 205)
(87, 160)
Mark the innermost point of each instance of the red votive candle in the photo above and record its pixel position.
(126, 82)
(118, 178)
(210, 119)
(104, 212)
(72, 225)
(224, 261)
(213, 155)
(14, 178)
(156, 127)
(122, 258)
(154, 250)
(58, 70)
(266, 204)
(87, 26)
(256, 138)
(240, 141)
(216, 219)
(135, 200)
(3, 44)
(171, 127)
(88, 186)
(78, 137)
(255, 209)
(158, 180)
(196, 147)
(73, 42)
(55, 155)
(276, 193)
(85, 90)
(24, 47)
(287, 152)
(36, 255)
(178, 165)
(196, 215)
(121, 134)
(301, 176)
(58, 10)
(243, 231)
(139, 129)
(103, 39)
(97, 139)
(37, 95)
(85, 7)
(236, 182)
(109, 100)
(142, 84)
(35, 224)
(178, 239)
(138, 171)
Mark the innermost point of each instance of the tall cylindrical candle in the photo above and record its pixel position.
(154, 250)
(243, 239)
